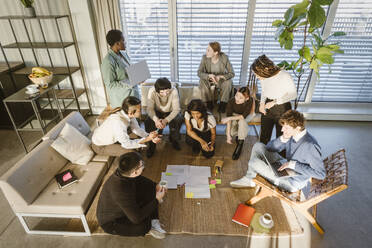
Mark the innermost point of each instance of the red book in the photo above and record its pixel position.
(243, 215)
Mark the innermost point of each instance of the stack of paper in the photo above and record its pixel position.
(195, 179)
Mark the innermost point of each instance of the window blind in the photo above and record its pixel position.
(146, 22)
(200, 22)
(351, 77)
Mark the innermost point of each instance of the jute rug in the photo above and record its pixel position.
(207, 216)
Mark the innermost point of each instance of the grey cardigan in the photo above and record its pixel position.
(225, 69)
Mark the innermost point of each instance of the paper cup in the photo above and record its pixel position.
(163, 184)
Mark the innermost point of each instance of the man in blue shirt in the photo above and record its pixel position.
(303, 157)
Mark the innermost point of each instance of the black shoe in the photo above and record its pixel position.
(150, 149)
(222, 107)
(238, 150)
(176, 145)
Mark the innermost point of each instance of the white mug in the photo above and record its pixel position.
(163, 184)
(32, 88)
(266, 220)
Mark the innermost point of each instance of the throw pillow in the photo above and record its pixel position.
(74, 146)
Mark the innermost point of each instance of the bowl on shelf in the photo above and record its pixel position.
(41, 81)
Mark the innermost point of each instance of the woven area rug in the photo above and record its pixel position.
(207, 216)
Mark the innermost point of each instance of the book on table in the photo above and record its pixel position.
(243, 215)
(65, 178)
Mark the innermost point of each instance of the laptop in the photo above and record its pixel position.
(138, 72)
(274, 167)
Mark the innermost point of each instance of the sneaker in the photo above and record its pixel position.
(156, 234)
(243, 183)
(155, 224)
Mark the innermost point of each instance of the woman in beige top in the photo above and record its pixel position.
(216, 70)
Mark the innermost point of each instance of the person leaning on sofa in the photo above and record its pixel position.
(114, 71)
(112, 138)
(163, 107)
(215, 69)
(303, 157)
(128, 203)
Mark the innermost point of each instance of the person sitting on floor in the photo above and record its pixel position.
(239, 112)
(200, 128)
(303, 157)
(128, 203)
(163, 107)
(112, 137)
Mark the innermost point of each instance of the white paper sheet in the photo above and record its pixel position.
(200, 171)
(171, 180)
(197, 192)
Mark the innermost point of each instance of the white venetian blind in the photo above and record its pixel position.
(350, 79)
(146, 24)
(200, 22)
(263, 33)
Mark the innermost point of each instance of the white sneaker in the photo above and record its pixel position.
(156, 234)
(155, 224)
(243, 183)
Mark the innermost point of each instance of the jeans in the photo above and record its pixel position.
(257, 165)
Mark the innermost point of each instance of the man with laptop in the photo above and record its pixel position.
(303, 157)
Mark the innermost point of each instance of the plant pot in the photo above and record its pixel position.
(30, 12)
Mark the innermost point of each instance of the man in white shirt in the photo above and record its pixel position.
(112, 137)
(163, 108)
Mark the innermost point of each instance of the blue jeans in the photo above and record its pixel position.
(257, 165)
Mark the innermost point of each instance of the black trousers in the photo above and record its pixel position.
(206, 136)
(272, 118)
(174, 125)
(123, 226)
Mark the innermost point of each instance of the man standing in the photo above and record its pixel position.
(128, 204)
(303, 157)
(114, 71)
(163, 108)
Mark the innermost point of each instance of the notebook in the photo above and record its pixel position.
(65, 178)
(243, 215)
(138, 72)
(275, 167)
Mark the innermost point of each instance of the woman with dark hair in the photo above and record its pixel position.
(200, 128)
(278, 89)
(216, 70)
(239, 112)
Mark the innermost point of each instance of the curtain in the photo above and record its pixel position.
(107, 17)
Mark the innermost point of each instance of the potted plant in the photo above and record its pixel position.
(29, 9)
(308, 17)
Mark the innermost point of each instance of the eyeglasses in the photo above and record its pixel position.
(141, 166)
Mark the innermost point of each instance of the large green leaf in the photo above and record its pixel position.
(333, 47)
(339, 33)
(326, 58)
(279, 31)
(288, 16)
(305, 52)
(324, 2)
(324, 51)
(277, 23)
(300, 8)
(316, 15)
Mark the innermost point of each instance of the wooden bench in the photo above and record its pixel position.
(335, 181)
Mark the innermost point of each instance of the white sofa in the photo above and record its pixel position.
(32, 191)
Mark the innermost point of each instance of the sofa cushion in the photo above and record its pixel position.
(73, 199)
(74, 146)
(28, 177)
(75, 119)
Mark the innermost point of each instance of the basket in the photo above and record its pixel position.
(41, 80)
